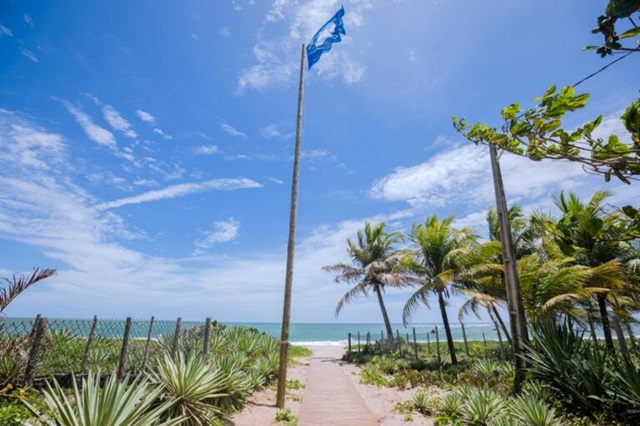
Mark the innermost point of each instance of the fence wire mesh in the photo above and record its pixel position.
(74, 346)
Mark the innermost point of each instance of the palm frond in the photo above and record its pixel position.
(18, 283)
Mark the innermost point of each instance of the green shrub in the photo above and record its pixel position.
(482, 406)
(529, 411)
(286, 417)
(115, 404)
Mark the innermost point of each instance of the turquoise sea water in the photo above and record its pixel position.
(300, 333)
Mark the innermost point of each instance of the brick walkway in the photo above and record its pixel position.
(329, 397)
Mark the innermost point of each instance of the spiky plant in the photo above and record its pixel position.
(529, 411)
(116, 404)
(191, 386)
(450, 404)
(421, 403)
(237, 383)
(482, 406)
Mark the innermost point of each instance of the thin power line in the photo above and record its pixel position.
(603, 68)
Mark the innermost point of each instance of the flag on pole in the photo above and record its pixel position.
(328, 34)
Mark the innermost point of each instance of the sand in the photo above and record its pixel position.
(261, 409)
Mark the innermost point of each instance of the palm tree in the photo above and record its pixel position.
(525, 233)
(11, 288)
(593, 238)
(375, 266)
(480, 276)
(434, 241)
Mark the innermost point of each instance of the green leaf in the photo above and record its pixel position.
(631, 33)
(510, 112)
(630, 211)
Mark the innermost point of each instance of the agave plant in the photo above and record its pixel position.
(191, 387)
(482, 406)
(529, 411)
(421, 403)
(116, 404)
(577, 372)
(451, 404)
(237, 383)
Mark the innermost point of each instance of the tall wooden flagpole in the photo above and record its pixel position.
(286, 310)
(512, 282)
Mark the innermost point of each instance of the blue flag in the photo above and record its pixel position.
(328, 34)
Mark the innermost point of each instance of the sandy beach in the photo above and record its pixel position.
(261, 409)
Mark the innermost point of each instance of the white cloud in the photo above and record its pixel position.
(145, 116)
(28, 146)
(316, 153)
(162, 133)
(118, 122)
(194, 36)
(47, 212)
(145, 182)
(93, 131)
(5, 32)
(289, 23)
(181, 190)
(222, 232)
(29, 55)
(232, 130)
(224, 32)
(28, 20)
(206, 150)
(276, 180)
(271, 131)
(464, 173)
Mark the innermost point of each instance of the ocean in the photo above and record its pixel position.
(333, 334)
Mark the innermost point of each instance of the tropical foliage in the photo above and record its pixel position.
(375, 265)
(10, 288)
(435, 243)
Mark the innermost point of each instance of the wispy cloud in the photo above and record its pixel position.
(96, 133)
(316, 153)
(289, 23)
(271, 131)
(5, 32)
(145, 116)
(206, 150)
(29, 55)
(28, 20)
(276, 180)
(224, 32)
(161, 132)
(29, 146)
(181, 190)
(232, 130)
(116, 121)
(222, 232)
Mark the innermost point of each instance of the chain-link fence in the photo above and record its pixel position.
(32, 349)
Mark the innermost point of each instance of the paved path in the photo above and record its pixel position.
(329, 397)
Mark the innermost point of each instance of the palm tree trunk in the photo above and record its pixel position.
(447, 328)
(606, 328)
(385, 317)
(504, 328)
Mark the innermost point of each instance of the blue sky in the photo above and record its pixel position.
(146, 148)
